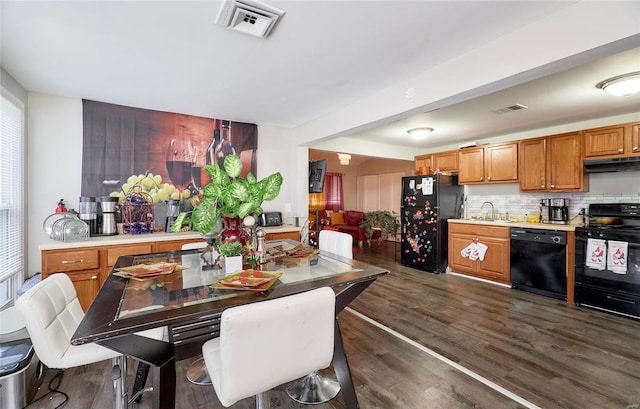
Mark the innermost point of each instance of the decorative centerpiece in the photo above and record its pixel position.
(231, 198)
(232, 253)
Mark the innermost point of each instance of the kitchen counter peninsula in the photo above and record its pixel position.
(88, 262)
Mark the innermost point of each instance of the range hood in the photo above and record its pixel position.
(612, 165)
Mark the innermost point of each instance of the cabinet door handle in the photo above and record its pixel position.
(635, 148)
(72, 261)
(481, 177)
(489, 178)
(94, 277)
(620, 150)
(553, 186)
(541, 186)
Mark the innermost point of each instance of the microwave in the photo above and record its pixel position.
(270, 219)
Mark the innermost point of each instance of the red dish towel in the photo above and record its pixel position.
(617, 256)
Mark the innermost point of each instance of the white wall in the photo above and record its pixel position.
(276, 154)
(54, 163)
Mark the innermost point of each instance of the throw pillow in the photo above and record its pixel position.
(337, 218)
(353, 218)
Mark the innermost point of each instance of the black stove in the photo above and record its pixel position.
(600, 281)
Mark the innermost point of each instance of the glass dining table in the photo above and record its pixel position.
(190, 300)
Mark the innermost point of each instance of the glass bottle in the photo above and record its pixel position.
(210, 157)
(225, 147)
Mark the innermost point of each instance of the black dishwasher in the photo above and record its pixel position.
(538, 261)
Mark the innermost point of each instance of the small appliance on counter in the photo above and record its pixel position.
(270, 219)
(554, 211)
(173, 210)
(89, 213)
(108, 215)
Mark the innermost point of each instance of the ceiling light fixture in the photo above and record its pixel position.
(420, 133)
(344, 158)
(621, 85)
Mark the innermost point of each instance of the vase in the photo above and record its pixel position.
(232, 264)
(233, 231)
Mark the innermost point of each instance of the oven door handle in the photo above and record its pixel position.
(610, 297)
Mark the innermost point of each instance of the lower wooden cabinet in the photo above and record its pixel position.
(87, 284)
(293, 235)
(495, 266)
(88, 267)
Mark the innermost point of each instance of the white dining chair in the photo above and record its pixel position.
(315, 387)
(265, 344)
(51, 313)
(336, 242)
(195, 246)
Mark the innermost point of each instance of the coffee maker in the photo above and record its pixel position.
(89, 213)
(554, 211)
(173, 210)
(108, 215)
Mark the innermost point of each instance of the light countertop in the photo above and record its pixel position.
(119, 239)
(502, 223)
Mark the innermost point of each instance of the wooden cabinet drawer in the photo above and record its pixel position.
(479, 230)
(174, 245)
(75, 260)
(115, 252)
(293, 235)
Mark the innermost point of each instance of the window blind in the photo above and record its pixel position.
(12, 259)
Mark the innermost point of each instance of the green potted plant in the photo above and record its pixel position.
(381, 219)
(232, 253)
(229, 195)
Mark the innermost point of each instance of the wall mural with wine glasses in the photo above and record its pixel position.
(161, 151)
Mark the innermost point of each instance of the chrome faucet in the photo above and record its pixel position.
(493, 210)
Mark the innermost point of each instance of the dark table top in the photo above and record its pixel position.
(189, 294)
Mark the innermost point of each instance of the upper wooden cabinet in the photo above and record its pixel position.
(421, 162)
(489, 164)
(612, 141)
(552, 164)
(445, 161)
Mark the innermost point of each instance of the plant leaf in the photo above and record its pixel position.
(233, 165)
(238, 190)
(250, 178)
(272, 186)
(205, 215)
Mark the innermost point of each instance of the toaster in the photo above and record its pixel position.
(270, 219)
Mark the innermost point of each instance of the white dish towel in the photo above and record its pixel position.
(478, 252)
(466, 252)
(617, 256)
(596, 256)
(474, 251)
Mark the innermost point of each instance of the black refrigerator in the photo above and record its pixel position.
(428, 201)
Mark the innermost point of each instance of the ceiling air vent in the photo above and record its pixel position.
(249, 17)
(511, 108)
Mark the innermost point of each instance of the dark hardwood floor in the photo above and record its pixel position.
(445, 341)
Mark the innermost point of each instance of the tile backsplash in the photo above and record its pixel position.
(621, 187)
(520, 204)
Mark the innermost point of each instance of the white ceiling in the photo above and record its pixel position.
(322, 55)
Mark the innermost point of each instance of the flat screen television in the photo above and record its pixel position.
(317, 170)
